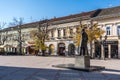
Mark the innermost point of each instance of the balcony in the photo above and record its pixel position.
(52, 38)
(65, 37)
(59, 37)
(71, 36)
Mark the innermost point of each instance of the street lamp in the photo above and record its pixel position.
(103, 42)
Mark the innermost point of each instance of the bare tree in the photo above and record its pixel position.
(41, 34)
(3, 33)
(18, 23)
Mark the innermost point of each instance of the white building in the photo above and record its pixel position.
(108, 19)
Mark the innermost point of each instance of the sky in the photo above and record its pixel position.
(35, 10)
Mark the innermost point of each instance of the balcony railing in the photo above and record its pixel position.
(52, 38)
(71, 36)
(59, 37)
(65, 37)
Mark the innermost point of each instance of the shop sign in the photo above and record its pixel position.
(111, 42)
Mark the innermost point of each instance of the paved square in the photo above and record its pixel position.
(40, 68)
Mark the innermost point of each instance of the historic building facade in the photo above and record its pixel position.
(62, 43)
(109, 20)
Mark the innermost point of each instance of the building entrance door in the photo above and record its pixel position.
(51, 49)
(114, 51)
(61, 49)
(97, 50)
(71, 49)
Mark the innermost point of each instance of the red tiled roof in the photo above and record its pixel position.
(87, 14)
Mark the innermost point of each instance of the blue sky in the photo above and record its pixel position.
(34, 10)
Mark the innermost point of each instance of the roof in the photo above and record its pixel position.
(109, 11)
(95, 14)
(83, 14)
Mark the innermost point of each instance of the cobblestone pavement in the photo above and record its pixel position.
(40, 68)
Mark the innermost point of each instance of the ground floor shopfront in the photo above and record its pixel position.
(110, 49)
(26, 48)
(61, 48)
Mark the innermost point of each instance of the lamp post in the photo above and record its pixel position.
(103, 42)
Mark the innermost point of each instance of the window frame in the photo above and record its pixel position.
(108, 30)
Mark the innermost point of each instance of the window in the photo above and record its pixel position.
(64, 32)
(14, 36)
(118, 30)
(59, 33)
(52, 33)
(107, 30)
(77, 29)
(71, 31)
(10, 37)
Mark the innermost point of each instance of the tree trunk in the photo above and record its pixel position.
(91, 54)
(43, 52)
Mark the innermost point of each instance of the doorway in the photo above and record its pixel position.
(97, 50)
(114, 51)
(51, 49)
(71, 49)
(61, 49)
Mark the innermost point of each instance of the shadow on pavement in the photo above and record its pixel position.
(22, 73)
(112, 70)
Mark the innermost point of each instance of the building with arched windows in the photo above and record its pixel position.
(62, 43)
